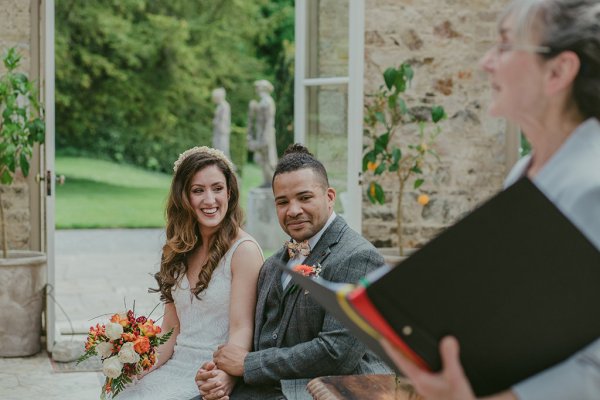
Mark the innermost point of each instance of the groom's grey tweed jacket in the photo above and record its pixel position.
(295, 339)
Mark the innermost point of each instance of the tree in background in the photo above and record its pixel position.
(275, 42)
(133, 77)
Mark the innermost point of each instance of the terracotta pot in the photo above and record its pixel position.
(21, 301)
(392, 256)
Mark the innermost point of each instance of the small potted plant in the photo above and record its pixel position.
(386, 113)
(21, 272)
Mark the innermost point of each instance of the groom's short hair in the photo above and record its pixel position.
(297, 157)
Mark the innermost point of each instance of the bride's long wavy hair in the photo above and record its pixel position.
(183, 230)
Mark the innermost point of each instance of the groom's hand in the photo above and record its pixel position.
(230, 358)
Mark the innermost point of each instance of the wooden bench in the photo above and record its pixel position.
(360, 387)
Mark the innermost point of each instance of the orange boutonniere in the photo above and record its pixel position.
(306, 270)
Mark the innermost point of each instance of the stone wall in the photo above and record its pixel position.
(444, 41)
(15, 30)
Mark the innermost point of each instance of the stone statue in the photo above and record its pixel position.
(261, 130)
(221, 122)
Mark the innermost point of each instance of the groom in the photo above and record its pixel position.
(294, 338)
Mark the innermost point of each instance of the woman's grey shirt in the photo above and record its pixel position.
(571, 180)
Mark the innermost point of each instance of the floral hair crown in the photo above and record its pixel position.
(203, 149)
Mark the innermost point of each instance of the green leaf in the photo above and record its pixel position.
(396, 155)
(380, 117)
(24, 164)
(416, 170)
(392, 101)
(394, 167)
(408, 71)
(379, 194)
(400, 83)
(402, 106)
(164, 338)
(12, 59)
(371, 156)
(437, 113)
(375, 193)
(390, 76)
(7, 113)
(6, 178)
(37, 129)
(382, 142)
(418, 183)
(380, 168)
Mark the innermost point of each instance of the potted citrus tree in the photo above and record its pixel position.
(387, 116)
(21, 272)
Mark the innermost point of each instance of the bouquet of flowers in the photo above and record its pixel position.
(127, 346)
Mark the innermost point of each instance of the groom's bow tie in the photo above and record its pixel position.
(294, 248)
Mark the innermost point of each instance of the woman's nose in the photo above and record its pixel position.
(486, 62)
(209, 197)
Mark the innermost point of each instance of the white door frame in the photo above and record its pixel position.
(354, 81)
(48, 166)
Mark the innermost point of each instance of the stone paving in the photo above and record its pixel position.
(96, 272)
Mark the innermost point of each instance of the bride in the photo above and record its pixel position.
(207, 278)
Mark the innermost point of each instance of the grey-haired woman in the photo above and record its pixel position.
(545, 76)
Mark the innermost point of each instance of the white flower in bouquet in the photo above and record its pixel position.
(114, 331)
(127, 354)
(137, 339)
(104, 349)
(112, 367)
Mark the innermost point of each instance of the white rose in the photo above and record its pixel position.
(127, 354)
(104, 349)
(112, 367)
(114, 331)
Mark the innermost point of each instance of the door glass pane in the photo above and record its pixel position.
(326, 134)
(327, 38)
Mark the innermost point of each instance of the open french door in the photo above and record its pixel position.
(328, 94)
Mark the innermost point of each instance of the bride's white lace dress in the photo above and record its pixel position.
(204, 324)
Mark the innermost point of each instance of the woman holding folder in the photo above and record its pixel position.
(545, 77)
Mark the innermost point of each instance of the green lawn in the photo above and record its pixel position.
(103, 194)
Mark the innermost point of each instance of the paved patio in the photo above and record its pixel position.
(96, 272)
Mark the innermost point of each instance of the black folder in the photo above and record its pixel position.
(515, 281)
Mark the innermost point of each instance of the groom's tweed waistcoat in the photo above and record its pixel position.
(294, 338)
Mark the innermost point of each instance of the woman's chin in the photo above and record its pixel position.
(495, 111)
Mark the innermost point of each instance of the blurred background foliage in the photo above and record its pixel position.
(134, 77)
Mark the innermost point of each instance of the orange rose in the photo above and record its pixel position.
(141, 345)
(146, 362)
(128, 337)
(423, 199)
(120, 319)
(149, 329)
